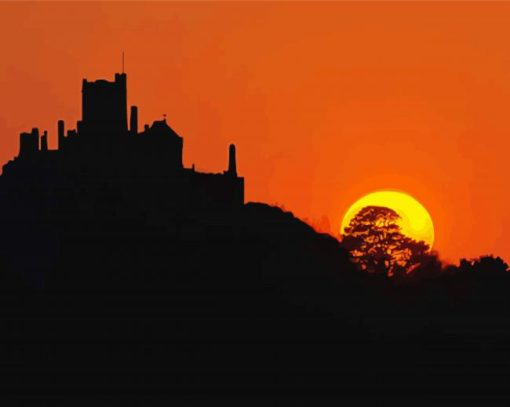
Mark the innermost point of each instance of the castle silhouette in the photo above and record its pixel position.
(102, 162)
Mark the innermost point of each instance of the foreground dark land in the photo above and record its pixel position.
(236, 308)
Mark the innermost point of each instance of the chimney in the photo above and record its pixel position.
(133, 121)
(61, 131)
(232, 170)
(44, 141)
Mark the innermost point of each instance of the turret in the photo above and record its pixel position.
(29, 142)
(61, 134)
(232, 170)
(133, 121)
(44, 141)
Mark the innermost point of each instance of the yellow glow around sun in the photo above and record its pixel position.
(415, 220)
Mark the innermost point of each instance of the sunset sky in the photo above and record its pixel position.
(325, 102)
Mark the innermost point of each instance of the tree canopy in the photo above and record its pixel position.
(376, 243)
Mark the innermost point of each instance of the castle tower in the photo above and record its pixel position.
(104, 111)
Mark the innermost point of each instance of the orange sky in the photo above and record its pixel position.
(326, 102)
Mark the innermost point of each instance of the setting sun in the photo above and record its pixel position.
(415, 221)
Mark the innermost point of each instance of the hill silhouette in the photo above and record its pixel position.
(126, 277)
(262, 304)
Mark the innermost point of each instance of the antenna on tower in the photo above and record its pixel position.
(122, 61)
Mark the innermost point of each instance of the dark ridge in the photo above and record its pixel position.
(127, 278)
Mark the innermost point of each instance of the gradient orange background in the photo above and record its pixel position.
(326, 102)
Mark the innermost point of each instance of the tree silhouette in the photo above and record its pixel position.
(488, 265)
(377, 244)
